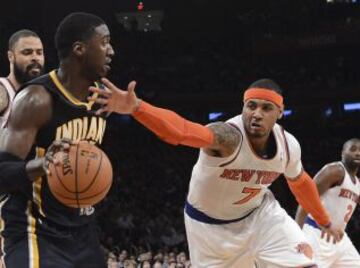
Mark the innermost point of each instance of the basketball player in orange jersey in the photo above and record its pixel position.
(339, 188)
(26, 57)
(39, 231)
(232, 220)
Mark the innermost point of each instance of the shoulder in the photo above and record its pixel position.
(33, 96)
(30, 101)
(2, 89)
(292, 142)
(226, 139)
(4, 98)
(336, 169)
(226, 130)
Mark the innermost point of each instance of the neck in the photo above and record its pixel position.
(74, 81)
(351, 169)
(13, 81)
(259, 144)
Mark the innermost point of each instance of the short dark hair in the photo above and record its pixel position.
(267, 84)
(77, 26)
(351, 141)
(14, 38)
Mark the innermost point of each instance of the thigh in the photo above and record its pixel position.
(33, 251)
(279, 241)
(218, 246)
(88, 251)
(349, 256)
(325, 252)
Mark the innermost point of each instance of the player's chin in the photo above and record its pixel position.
(103, 71)
(106, 69)
(256, 134)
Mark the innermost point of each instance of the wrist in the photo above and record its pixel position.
(326, 226)
(35, 168)
(137, 106)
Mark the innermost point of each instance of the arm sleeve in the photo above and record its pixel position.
(13, 175)
(172, 128)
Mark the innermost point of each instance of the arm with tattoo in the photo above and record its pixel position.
(226, 139)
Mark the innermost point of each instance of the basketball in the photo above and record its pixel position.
(83, 177)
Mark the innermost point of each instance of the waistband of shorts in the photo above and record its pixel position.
(45, 224)
(202, 217)
(311, 222)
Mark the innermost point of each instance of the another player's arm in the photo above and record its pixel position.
(327, 177)
(217, 139)
(31, 110)
(305, 191)
(4, 99)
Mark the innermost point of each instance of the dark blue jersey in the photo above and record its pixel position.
(24, 210)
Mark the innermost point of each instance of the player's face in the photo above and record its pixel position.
(259, 117)
(27, 59)
(99, 52)
(351, 154)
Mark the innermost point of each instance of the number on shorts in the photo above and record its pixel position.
(252, 193)
(348, 214)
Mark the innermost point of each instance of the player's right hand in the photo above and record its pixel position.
(114, 99)
(332, 233)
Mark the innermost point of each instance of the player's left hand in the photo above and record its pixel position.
(113, 99)
(332, 233)
(58, 145)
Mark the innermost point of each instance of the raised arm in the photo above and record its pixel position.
(31, 110)
(217, 139)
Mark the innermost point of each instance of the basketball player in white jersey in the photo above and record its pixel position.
(26, 57)
(232, 220)
(339, 188)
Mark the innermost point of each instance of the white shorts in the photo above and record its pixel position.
(329, 255)
(268, 237)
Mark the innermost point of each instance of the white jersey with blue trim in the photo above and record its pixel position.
(340, 201)
(231, 187)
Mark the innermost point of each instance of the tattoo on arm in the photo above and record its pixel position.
(226, 136)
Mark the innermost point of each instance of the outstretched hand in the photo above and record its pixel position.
(113, 99)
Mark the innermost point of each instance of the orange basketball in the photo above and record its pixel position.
(83, 178)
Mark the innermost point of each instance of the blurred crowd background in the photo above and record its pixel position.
(197, 58)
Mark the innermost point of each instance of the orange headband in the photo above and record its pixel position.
(264, 94)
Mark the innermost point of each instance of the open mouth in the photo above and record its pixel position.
(255, 125)
(107, 64)
(35, 70)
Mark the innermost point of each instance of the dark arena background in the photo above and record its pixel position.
(197, 57)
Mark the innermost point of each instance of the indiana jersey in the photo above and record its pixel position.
(11, 94)
(229, 188)
(340, 201)
(23, 211)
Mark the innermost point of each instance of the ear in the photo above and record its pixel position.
(281, 113)
(11, 56)
(79, 48)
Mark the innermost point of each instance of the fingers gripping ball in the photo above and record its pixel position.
(83, 177)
